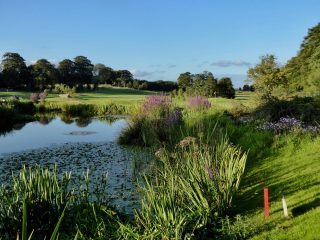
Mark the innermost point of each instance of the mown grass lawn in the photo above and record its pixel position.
(103, 95)
(292, 169)
(127, 96)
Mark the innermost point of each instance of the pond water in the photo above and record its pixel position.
(46, 133)
(76, 146)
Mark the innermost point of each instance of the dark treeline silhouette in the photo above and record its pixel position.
(78, 73)
(247, 88)
(205, 84)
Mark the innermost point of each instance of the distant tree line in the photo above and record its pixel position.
(78, 73)
(205, 84)
(247, 88)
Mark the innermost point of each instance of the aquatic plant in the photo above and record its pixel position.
(39, 198)
(191, 189)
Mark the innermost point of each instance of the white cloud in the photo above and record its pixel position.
(228, 63)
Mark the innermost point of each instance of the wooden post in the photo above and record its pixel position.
(266, 203)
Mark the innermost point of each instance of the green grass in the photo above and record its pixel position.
(103, 95)
(292, 168)
(245, 98)
(126, 96)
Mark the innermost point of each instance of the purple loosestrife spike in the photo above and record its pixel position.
(198, 103)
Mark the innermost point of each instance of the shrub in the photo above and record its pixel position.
(306, 109)
(36, 97)
(64, 89)
(152, 123)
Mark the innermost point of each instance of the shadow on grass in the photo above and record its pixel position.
(122, 91)
(297, 211)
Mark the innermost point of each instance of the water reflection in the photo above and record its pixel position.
(50, 130)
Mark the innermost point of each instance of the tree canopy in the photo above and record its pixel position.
(303, 70)
(205, 84)
(14, 74)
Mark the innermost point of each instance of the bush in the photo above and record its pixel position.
(36, 97)
(306, 109)
(152, 123)
(64, 89)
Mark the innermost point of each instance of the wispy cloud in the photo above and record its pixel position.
(172, 65)
(139, 74)
(228, 63)
(155, 65)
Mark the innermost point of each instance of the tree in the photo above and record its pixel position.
(211, 85)
(67, 72)
(225, 88)
(103, 74)
(83, 71)
(14, 70)
(267, 76)
(185, 80)
(2, 84)
(123, 77)
(303, 69)
(44, 73)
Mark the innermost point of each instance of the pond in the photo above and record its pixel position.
(77, 146)
(50, 131)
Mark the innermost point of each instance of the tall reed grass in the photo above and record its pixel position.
(193, 187)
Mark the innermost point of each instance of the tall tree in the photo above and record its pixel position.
(45, 74)
(67, 72)
(123, 77)
(303, 70)
(185, 80)
(83, 70)
(225, 88)
(14, 70)
(267, 76)
(211, 85)
(103, 74)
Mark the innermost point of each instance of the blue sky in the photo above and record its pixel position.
(158, 39)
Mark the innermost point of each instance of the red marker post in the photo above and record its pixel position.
(266, 203)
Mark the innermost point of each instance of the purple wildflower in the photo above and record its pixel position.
(174, 117)
(198, 103)
(35, 97)
(287, 124)
(156, 101)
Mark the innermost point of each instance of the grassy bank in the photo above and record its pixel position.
(291, 170)
(193, 191)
